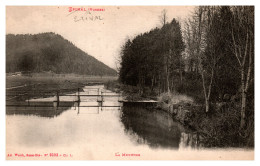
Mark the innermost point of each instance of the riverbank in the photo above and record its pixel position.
(217, 128)
(19, 88)
(130, 93)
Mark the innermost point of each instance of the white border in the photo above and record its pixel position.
(129, 2)
(4, 3)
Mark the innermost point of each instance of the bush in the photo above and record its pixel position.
(221, 127)
(113, 85)
(175, 98)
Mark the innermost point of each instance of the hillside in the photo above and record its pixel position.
(50, 52)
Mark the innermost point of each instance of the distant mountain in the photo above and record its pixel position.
(50, 52)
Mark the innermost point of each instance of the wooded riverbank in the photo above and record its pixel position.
(217, 128)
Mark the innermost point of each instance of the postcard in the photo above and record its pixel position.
(130, 83)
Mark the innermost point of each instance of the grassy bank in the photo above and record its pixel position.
(221, 127)
(218, 128)
(131, 93)
(38, 85)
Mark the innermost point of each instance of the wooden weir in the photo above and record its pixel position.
(77, 99)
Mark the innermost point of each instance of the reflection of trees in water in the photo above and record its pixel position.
(189, 140)
(44, 109)
(151, 127)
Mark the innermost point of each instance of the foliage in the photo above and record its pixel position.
(153, 59)
(220, 128)
(211, 59)
(50, 52)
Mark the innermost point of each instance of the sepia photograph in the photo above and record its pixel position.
(130, 82)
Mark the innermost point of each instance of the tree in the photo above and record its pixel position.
(196, 31)
(218, 41)
(242, 31)
(172, 46)
(152, 58)
(163, 17)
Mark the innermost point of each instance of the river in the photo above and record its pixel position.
(88, 132)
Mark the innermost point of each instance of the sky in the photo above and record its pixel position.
(101, 37)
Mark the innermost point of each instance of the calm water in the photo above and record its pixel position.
(94, 132)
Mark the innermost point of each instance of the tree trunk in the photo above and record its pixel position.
(243, 100)
(173, 86)
(168, 83)
(167, 77)
(152, 83)
(207, 105)
(159, 85)
(204, 90)
(180, 72)
(243, 110)
(181, 77)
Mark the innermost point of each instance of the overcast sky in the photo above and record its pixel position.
(101, 38)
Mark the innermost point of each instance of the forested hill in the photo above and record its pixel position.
(50, 52)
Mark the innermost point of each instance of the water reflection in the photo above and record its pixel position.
(150, 127)
(89, 124)
(156, 128)
(189, 140)
(43, 109)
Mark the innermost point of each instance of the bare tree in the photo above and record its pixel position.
(163, 17)
(200, 48)
(196, 30)
(243, 44)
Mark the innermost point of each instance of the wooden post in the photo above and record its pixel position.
(102, 97)
(78, 108)
(120, 98)
(56, 100)
(28, 99)
(57, 96)
(98, 95)
(78, 96)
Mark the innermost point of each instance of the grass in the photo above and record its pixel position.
(131, 93)
(219, 127)
(38, 85)
(175, 98)
(12, 81)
